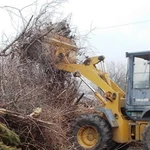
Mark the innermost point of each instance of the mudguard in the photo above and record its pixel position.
(110, 116)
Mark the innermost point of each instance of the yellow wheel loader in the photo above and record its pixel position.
(125, 116)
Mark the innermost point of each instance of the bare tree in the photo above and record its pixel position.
(117, 72)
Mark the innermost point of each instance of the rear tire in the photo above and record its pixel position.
(91, 132)
(146, 138)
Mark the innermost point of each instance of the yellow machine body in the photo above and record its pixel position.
(114, 96)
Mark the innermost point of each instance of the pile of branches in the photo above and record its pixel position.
(29, 79)
(48, 132)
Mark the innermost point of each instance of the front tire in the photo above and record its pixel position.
(91, 132)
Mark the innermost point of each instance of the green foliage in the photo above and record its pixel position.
(5, 147)
(8, 137)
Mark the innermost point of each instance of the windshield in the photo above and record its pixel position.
(141, 72)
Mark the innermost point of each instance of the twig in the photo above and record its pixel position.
(21, 34)
(18, 115)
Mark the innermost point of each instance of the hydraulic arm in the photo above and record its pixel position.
(113, 96)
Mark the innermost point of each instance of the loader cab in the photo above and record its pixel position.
(138, 90)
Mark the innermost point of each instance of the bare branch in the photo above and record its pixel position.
(21, 34)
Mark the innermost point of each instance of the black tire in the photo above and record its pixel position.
(146, 138)
(102, 127)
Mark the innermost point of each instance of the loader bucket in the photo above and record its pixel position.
(65, 48)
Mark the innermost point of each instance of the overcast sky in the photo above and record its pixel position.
(99, 15)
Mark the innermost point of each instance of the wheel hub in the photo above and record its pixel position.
(90, 137)
(87, 136)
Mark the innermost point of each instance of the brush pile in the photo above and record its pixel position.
(29, 81)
